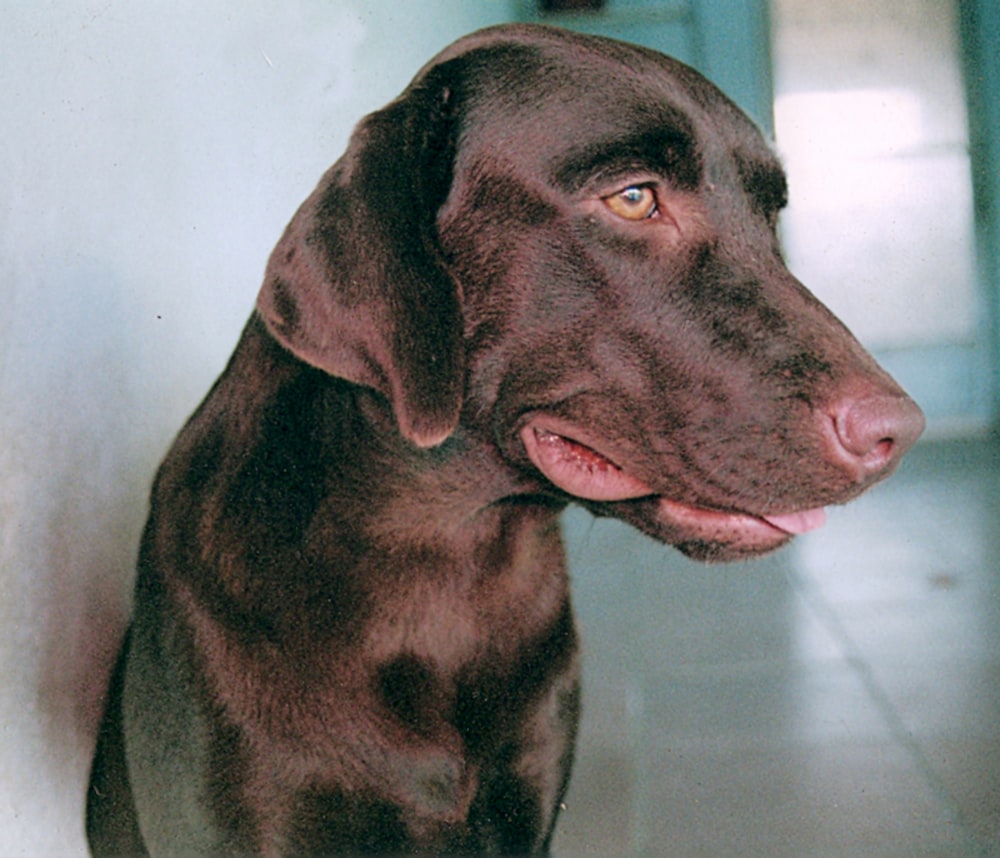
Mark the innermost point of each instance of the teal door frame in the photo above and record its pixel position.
(726, 40)
(980, 32)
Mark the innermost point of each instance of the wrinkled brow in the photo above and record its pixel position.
(664, 150)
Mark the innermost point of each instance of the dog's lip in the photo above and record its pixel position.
(704, 519)
(577, 466)
(580, 468)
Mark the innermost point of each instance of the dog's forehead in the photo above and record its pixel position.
(627, 103)
(554, 86)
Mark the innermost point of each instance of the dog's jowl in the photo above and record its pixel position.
(546, 273)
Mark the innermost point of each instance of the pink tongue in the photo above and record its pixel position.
(798, 522)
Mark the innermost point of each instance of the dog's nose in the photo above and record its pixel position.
(873, 432)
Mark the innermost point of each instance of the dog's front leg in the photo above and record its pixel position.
(521, 795)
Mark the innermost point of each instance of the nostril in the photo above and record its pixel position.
(881, 452)
(880, 455)
(875, 431)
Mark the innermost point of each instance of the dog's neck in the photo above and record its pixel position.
(461, 499)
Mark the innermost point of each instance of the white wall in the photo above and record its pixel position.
(151, 154)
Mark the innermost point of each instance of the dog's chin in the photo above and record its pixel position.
(702, 534)
(580, 469)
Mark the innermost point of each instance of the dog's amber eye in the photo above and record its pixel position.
(633, 203)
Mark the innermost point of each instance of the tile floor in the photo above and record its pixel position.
(840, 698)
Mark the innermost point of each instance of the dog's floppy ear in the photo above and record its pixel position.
(356, 285)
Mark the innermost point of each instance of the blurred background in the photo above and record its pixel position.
(839, 698)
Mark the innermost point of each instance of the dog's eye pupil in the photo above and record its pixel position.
(633, 203)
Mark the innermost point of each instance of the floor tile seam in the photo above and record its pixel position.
(778, 666)
(741, 743)
(827, 616)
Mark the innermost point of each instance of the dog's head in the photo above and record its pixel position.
(569, 243)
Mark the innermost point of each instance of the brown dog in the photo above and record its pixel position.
(547, 272)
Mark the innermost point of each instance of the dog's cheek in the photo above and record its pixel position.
(532, 323)
(484, 222)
